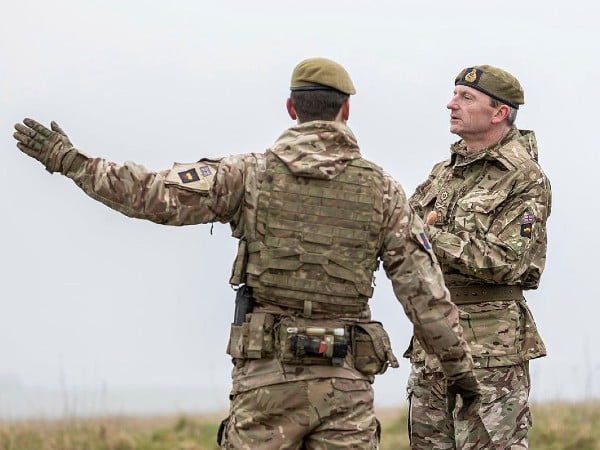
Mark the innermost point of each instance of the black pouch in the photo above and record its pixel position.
(221, 431)
(372, 349)
(312, 345)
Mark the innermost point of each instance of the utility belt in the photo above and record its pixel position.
(479, 293)
(295, 340)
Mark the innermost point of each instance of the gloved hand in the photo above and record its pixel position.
(467, 386)
(51, 147)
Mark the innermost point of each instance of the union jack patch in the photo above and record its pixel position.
(205, 171)
(425, 241)
(528, 218)
(188, 176)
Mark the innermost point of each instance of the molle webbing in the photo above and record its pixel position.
(317, 240)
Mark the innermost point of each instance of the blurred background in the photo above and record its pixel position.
(102, 314)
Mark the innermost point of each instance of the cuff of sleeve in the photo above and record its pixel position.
(73, 162)
(452, 368)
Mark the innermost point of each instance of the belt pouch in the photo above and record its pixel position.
(372, 349)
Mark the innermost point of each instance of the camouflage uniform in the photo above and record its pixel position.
(276, 404)
(490, 238)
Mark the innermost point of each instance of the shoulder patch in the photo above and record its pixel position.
(196, 176)
(424, 240)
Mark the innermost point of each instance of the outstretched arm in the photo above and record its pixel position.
(163, 197)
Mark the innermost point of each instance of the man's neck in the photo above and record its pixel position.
(477, 144)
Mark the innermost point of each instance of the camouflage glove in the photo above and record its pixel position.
(466, 385)
(51, 147)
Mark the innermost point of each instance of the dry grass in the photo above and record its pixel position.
(557, 426)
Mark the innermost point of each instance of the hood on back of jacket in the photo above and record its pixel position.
(317, 149)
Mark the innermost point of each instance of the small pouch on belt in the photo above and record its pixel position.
(311, 345)
(372, 349)
(260, 336)
(235, 347)
(254, 338)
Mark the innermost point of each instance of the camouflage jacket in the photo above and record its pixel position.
(491, 207)
(226, 190)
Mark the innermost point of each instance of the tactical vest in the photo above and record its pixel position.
(316, 242)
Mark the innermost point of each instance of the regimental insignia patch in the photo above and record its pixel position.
(190, 175)
(425, 241)
(196, 177)
(472, 76)
(527, 225)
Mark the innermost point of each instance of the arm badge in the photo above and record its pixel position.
(527, 225)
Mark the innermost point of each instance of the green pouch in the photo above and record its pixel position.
(372, 349)
(260, 336)
(254, 338)
(235, 346)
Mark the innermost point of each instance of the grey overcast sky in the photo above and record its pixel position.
(93, 300)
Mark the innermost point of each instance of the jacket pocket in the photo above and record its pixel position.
(492, 328)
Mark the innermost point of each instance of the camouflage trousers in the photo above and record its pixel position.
(502, 422)
(322, 414)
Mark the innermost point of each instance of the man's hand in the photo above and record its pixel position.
(51, 147)
(431, 218)
(467, 387)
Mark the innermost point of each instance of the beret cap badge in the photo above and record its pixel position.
(471, 77)
(493, 81)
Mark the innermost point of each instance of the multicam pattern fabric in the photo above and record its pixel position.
(483, 202)
(333, 414)
(502, 422)
(227, 191)
(297, 218)
(491, 209)
(319, 149)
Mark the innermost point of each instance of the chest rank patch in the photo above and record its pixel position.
(527, 225)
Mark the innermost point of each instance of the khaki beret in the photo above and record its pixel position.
(494, 82)
(321, 74)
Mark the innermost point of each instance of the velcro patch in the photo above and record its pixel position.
(527, 225)
(526, 230)
(188, 176)
(528, 218)
(425, 241)
(196, 176)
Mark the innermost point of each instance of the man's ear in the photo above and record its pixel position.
(346, 110)
(501, 114)
(291, 110)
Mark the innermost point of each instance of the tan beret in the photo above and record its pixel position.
(495, 82)
(320, 74)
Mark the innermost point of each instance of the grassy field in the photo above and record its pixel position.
(557, 426)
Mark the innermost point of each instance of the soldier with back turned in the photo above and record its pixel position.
(313, 219)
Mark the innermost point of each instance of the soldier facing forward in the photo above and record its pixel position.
(486, 209)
